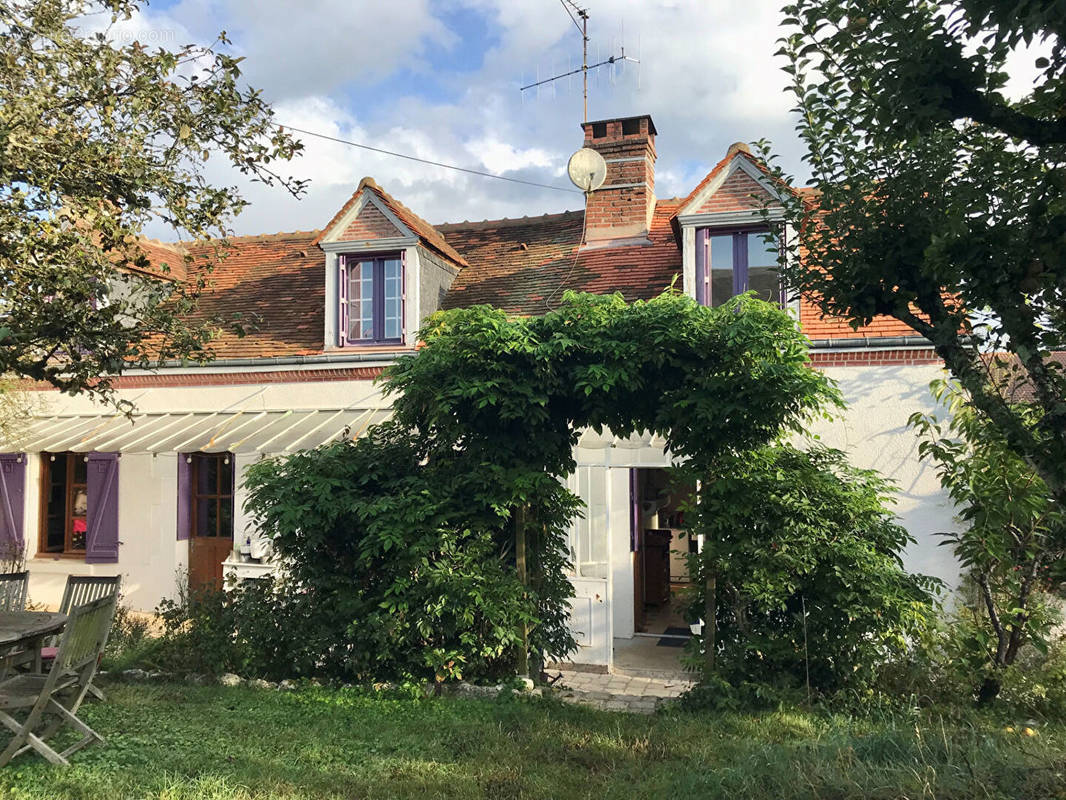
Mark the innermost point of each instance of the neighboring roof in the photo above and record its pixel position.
(429, 236)
(163, 254)
(275, 282)
(524, 265)
(1014, 383)
(161, 259)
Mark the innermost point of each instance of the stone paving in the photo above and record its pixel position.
(613, 692)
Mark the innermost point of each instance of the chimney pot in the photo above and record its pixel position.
(622, 208)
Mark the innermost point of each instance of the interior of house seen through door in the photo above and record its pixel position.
(660, 547)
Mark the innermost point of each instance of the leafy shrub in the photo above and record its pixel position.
(255, 628)
(1014, 538)
(1036, 683)
(401, 565)
(809, 585)
(130, 640)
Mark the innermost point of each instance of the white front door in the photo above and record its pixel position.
(590, 618)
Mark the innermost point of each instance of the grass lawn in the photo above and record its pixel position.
(176, 742)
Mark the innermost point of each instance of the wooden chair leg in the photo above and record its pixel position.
(88, 734)
(24, 738)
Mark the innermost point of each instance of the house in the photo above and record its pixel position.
(159, 499)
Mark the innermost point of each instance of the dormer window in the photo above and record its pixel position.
(371, 307)
(731, 262)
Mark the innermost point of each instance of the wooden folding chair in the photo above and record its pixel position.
(13, 590)
(79, 590)
(82, 589)
(57, 695)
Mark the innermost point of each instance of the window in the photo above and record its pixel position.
(734, 262)
(371, 300)
(66, 503)
(212, 495)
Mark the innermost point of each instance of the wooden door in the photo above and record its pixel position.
(211, 517)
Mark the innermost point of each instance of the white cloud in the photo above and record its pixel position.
(708, 77)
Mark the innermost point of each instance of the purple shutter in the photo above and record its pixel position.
(101, 538)
(702, 274)
(740, 263)
(184, 495)
(12, 488)
(342, 301)
(403, 296)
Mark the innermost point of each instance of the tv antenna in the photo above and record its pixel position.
(571, 9)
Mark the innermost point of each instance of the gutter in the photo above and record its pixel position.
(871, 343)
(275, 361)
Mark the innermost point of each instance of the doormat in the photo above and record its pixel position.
(675, 642)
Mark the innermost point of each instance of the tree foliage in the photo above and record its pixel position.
(97, 139)
(939, 201)
(805, 559)
(1014, 539)
(519, 391)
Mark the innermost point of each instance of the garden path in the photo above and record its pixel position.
(614, 692)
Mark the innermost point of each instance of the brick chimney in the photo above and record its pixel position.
(620, 211)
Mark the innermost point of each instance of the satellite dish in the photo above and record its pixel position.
(587, 170)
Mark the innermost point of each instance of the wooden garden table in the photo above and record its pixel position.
(22, 634)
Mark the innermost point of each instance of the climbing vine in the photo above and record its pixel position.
(439, 539)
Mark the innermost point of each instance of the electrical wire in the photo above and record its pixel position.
(573, 264)
(425, 160)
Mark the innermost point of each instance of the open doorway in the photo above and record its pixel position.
(662, 585)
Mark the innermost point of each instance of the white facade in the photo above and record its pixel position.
(152, 560)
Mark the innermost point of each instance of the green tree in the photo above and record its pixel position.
(801, 571)
(939, 201)
(1014, 541)
(97, 140)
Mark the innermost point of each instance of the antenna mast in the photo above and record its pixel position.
(572, 8)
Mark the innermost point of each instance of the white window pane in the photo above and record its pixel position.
(763, 275)
(760, 252)
(721, 268)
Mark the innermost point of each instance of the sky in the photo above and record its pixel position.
(439, 79)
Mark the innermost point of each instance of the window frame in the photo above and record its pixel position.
(218, 495)
(378, 300)
(47, 468)
(741, 283)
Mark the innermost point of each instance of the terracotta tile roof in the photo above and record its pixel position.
(517, 263)
(817, 326)
(426, 232)
(522, 265)
(276, 283)
(160, 254)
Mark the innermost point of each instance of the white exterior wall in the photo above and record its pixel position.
(149, 554)
(875, 435)
(151, 559)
